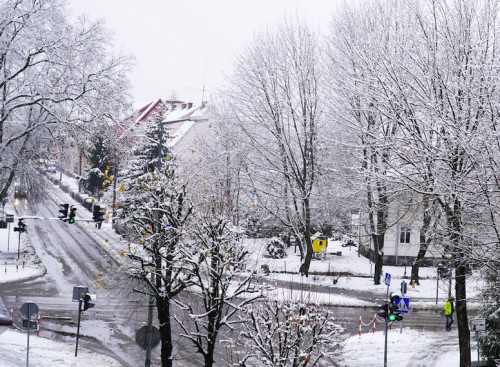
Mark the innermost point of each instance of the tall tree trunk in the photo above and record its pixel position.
(378, 258)
(304, 267)
(416, 264)
(163, 307)
(453, 213)
(381, 226)
(424, 242)
(462, 318)
(212, 338)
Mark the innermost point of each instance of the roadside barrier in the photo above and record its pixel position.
(373, 322)
(17, 264)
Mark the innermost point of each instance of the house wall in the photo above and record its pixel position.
(402, 217)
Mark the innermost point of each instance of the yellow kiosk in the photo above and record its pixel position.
(319, 243)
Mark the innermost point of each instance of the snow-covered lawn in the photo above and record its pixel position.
(44, 352)
(411, 348)
(360, 277)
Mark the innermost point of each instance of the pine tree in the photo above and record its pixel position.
(155, 209)
(100, 161)
(490, 339)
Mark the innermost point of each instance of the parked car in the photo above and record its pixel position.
(347, 241)
(51, 166)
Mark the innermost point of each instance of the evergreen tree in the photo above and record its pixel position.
(155, 209)
(100, 161)
(490, 339)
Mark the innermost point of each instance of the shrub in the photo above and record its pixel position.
(275, 249)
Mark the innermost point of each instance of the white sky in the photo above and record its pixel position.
(179, 45)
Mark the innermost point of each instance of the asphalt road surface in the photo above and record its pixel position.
(73, 258)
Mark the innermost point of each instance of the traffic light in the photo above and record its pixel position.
(393, 307)
(385, 311)
(64, 211)
(98, 214)
(87, 298)
(21, 227)
(394, 303)
(72, 215)
(395, 317)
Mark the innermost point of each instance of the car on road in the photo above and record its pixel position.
(20, 191)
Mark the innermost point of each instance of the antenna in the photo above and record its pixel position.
(204, 79)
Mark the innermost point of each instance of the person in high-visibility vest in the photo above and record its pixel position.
(449, 309)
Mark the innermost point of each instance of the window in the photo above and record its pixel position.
(404, 235)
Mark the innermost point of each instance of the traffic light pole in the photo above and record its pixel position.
(403, 292)
(78, 325)
(19, 246)
(386, 330)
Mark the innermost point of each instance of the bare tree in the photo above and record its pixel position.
(359, 105)
(51, 73)
(287, 334)
(275, 96)
(217, 261)
(436, 80)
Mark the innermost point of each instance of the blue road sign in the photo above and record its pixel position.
(403, 305)
(387, 280)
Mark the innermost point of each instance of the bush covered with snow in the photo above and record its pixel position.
(275, 249)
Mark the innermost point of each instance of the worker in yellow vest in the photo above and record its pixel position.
(449, 309)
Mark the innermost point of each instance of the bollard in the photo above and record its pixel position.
(359, 323)
(38, 326)
(374, 323)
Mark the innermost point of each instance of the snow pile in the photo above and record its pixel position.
(408, 349)
(47, 353)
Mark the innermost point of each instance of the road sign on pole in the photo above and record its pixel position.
(478, 324)
(403, 305)
(387, 280)
(78, 291)
(29, 312)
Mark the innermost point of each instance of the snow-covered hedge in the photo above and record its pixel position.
(275, 249)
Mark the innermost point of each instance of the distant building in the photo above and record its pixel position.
(402, 238)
